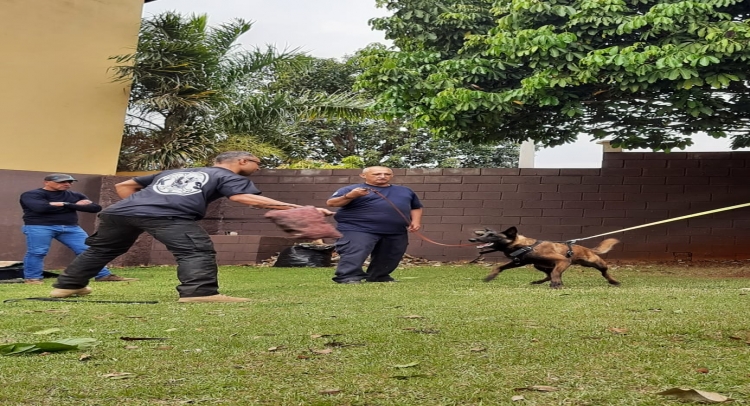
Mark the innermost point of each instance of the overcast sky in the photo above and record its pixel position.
(335, 28)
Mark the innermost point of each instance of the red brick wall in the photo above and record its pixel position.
(630, 189)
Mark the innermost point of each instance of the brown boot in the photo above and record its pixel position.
(213, 299)
(34, 281)
(114, 278)
(70, 292)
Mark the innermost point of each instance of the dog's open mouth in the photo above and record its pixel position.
(487, 245)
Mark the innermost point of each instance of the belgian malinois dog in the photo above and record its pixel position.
(552, 258)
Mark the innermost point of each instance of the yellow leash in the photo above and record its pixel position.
(703, 213)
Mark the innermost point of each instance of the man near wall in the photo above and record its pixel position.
(51, 212)
(167, 206)
(374, 217)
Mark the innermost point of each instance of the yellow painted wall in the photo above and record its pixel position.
(59, 110)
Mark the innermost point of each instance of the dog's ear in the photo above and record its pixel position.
(511, 233)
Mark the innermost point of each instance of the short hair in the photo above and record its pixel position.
(231, 156)
(365, 170)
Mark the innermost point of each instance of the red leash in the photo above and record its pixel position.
(409, 222)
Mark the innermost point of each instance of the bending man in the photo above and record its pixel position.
(167, 206)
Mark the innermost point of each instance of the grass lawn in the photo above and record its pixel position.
(440, 336)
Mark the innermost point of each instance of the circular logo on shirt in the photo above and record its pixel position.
(181, 183)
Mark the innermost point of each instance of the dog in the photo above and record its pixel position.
(552, 258)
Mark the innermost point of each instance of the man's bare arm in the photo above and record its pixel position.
(127, 188)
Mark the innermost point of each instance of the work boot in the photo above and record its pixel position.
(57, 292)
(114, 278)
(34, 281)
(212, 299)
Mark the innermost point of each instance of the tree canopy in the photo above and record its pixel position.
(373, 141)
(642, 73)
(194, 92)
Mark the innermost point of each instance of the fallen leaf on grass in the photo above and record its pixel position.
(539, 388)
(47, 331)
(274, 349)
(618, 330)
(702, 370)
(409, 365)
(405, 377)
(324, 335)
(84, 357)
(143, 338)
(517, 398)
(322, 352)
(131, 347)
(169, 330)
(46, 347)
(301, 356)
(694, 395)
(478, 349)
(164, 347)
(412, 316)
(330, 392)
(119, 375)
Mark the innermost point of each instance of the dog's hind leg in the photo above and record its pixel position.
(601, 266)
(496, 271)
(546, 270)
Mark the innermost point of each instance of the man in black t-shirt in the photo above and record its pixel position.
(167, 206)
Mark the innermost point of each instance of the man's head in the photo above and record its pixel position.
(58, 181)
(377, 175)
(240, 162)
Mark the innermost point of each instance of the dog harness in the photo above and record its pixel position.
(517, 255)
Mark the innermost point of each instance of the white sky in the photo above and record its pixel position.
(335, 28)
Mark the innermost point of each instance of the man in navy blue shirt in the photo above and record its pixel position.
(373, 218)
(167, 205)
(51, 212)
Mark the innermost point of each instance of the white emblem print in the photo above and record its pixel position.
(181, 183)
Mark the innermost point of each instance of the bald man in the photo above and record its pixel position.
(371, 226)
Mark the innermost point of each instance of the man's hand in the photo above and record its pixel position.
(84, 202)
(413, 227)
(325, 212)
(358, 192)
(58, 204)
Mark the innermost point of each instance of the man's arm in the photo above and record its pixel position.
(347, 197)
(36, 203)
(127, 188)
(416, 220)
(263, 202)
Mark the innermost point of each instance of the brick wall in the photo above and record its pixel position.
(630, 189)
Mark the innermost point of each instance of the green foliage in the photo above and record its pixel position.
(376, 141)
(194, 93)
(644, 73)
(68, 344)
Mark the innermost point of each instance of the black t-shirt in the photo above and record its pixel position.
(183, 193)
(37, 210)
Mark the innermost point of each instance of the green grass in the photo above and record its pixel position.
(474, 343)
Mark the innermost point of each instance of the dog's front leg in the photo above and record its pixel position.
(496, 270)
(556, 275)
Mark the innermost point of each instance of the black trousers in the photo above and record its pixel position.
(185, 239)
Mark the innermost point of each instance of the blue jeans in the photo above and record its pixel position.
(38, 241)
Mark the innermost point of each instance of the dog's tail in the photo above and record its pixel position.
(605, 246)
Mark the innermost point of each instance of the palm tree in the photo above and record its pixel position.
(194, 91)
